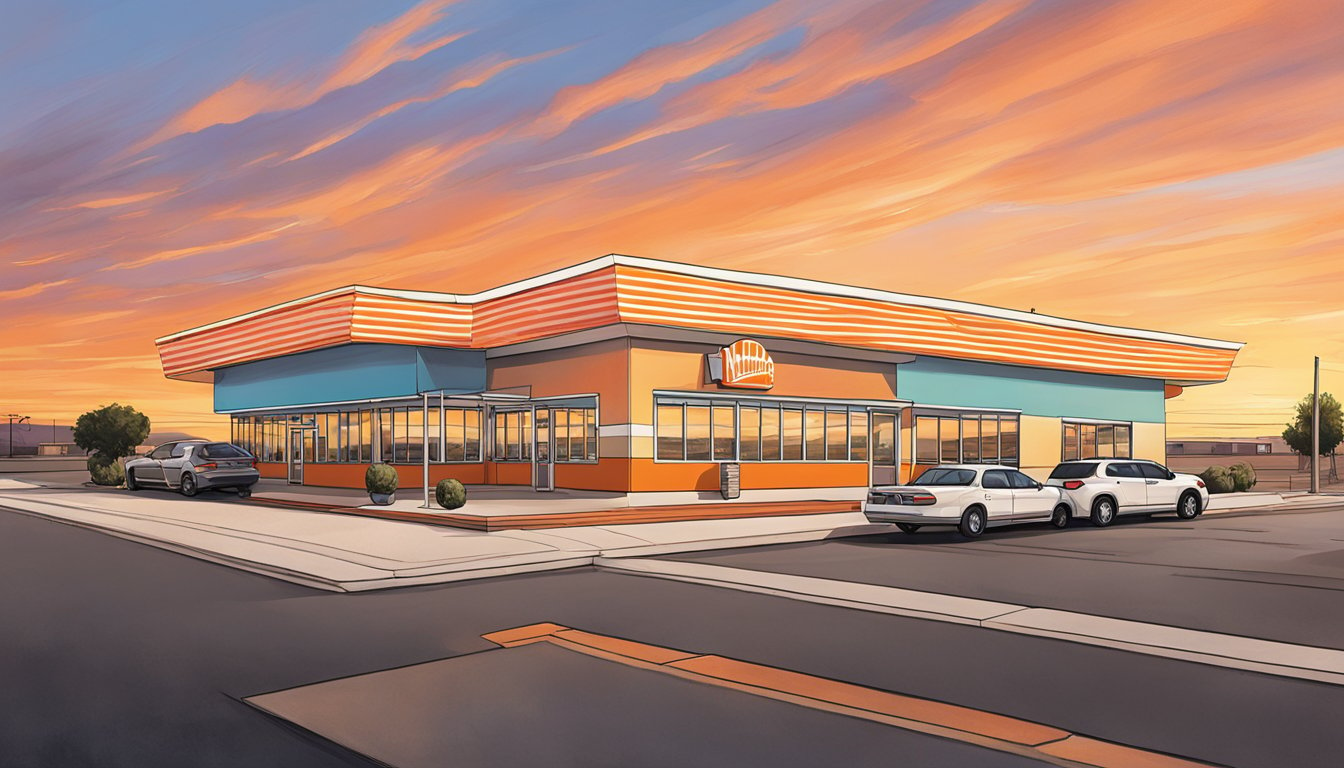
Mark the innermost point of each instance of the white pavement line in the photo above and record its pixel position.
(867, 597)
(1304, 662)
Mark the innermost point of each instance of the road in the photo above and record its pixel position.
(1274, 576)
(121, 654)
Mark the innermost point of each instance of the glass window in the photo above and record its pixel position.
(366, 437)
(434, 437)
(1153, 471)
(770, 433)
(1122, 449)
(858, 435)
(1071, 442)
(1105, 441)
(1074, 471)
(415, 435)
(1122, 470)
(1008, 440)
(669, 433)
(946, 476)
(749, 439)
(385, 433)
(884, 439)
(837, 435)
(698, 446)
(926, 440)
(454, 435)
(1020, 480)
(560, 423)
(995, 478)
(989, 439)
(816, 435)
(725, 433)
(792, 430)
(471, 448)
(1087, 441)
(949, 439)
(590, 426)
(970, 439)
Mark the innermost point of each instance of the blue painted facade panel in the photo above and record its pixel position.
(351, 372)
(1035, 391)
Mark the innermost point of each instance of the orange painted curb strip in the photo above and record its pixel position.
(986, 729)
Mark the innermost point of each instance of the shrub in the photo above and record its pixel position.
(450, 494)
(1218, 479)
(380, 478)
(113, 430)
(106, 471)
(1243, 476)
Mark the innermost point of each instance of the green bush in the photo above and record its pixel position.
(450, 494)
(105, 471)
(1243, 476)
(380, 478)
(1218, 479)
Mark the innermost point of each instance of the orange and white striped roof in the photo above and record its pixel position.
(627, 289)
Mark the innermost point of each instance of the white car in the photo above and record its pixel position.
(971, 497)
(1102, 489)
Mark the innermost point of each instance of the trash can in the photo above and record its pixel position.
(730, 480)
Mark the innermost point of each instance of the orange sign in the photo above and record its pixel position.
(745, 364)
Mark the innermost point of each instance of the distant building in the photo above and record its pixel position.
(1228, 446)
(59, 449)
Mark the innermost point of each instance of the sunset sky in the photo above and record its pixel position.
(1149, 163)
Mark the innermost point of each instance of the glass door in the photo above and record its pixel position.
(543, 453)
(884, 454)
(296, 451)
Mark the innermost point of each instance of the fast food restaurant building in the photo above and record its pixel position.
(646, 377)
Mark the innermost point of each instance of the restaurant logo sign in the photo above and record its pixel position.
(744, 364)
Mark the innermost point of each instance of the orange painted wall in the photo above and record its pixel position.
(681, 366)
(598, 367)
(508, 473)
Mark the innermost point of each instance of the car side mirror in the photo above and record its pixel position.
(1039, 486)
(1171, 475)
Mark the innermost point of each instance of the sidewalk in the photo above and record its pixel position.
(1216, 649)
(347, 553)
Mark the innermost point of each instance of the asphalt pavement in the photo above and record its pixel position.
(119, 654)
(1276, 576)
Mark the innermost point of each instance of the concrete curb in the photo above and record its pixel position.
(1325, 665)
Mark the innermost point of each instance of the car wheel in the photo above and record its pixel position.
(1103, 512)
(131, 485)
(972, 523)
(908, 527)
(244, 492)
(1188, 509)
(188, 485)
(1060, 519)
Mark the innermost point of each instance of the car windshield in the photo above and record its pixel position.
(946, 476)
(223, 451)
(1074, 470)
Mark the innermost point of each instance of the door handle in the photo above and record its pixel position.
(1151, 482)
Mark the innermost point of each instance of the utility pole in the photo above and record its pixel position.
(12, 417)
(1316, 429)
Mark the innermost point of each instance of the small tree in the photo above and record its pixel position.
(111, 432)
(1297, 433)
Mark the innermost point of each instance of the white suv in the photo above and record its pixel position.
(1101, 489)
(970, 497)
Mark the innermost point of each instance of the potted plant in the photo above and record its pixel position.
(380, 480)
(450, 494)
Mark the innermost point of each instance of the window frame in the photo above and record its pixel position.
(1082, 428)
(767, 416)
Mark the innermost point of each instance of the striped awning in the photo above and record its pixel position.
(624, 289)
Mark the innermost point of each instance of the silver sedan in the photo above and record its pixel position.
(190, 466)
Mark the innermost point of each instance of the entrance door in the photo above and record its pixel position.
(296, 456)
(884, 455)
(543, 453)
